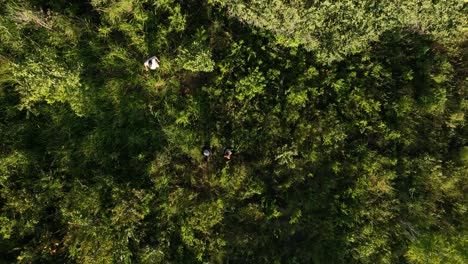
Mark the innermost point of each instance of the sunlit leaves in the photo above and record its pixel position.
(196, 56)
(45, 79)
(357, 161)
(250, 86)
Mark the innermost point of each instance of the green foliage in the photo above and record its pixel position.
(347, 120)
(57, 83)
(437, 248)
(334, 29)
(197, 56)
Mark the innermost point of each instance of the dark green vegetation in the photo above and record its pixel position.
(347, 120)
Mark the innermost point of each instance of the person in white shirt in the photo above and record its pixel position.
(152, 63)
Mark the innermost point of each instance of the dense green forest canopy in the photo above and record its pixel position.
(346, 118)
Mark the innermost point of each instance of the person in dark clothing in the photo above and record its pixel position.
(206, 153)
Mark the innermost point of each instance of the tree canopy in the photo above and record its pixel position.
(346, 121)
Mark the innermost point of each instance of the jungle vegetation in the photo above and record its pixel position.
(347, 120)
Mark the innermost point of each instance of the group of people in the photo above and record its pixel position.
(207, 153)
(153, 63)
